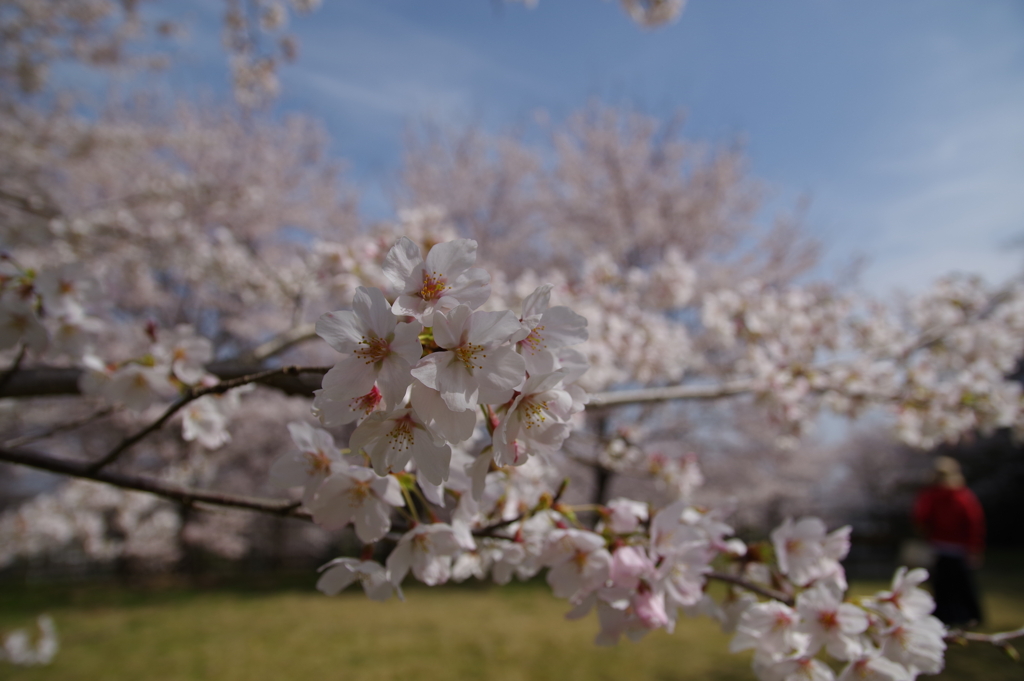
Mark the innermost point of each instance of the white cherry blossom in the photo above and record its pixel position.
(439, 283)
(536, 422)
(391, 440)
(379, 349)
(915, 643)
(139, 386)
(314, 459)
(578, 560)
(19, 323)
(428, 551)
(476, 366)
(905, 597)
(546, 329)
(353, 494)
(873, 667)
(339, 573)
(830, 623)
(203, 421)
(806, 552)
(771, 629)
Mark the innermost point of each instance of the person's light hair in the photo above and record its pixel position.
(947, 472)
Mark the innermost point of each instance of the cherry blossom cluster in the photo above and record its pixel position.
(890, 635)
(447, 500)
(940, 364)
(175, 360)
(418, 371)
(639, 568)
(632, 338)
(46, 311)
(83, 513)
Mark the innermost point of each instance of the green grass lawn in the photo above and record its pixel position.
(515, 632)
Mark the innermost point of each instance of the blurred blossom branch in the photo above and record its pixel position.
(59, 428)
(194, 393)
(167, 490)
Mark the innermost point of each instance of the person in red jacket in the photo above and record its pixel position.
(950, 517)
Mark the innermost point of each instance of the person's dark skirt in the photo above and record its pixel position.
(956, 595)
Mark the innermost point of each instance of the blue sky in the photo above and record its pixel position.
(902, 122)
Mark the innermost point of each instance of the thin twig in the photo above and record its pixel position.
(675, 392)
(995, 639)
(760, 589)
(282, 342)
(184, 495)
(291, 509)
(193, 394)
(489, 530)
(13, 369)
(59, 428)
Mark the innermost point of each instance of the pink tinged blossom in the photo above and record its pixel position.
(508, 557)
(342, 572)
(379, 349)
(428, 551)
(615, 622)
(771, 629)
(625, 515)
(357, 495)
(476, 367)
(830, 623)
(796, 668)
(546, 329)
(64, 288)
(678, 527)
(441, 282)
(74, 332)
(392, 440)
(346, 410)
(873, 667)
(649, 607)
(500, 557)
(187, 353)
(805, 552)
(138, 387)
(95, 375)
(451, 426)
(20, 324)
(905, 597)
(578, 560)
(918, 644)
(203, 421)
(310, 464)
(728, 614)
(630, 565)
(536, 422)
(681, 575)
(671, 531)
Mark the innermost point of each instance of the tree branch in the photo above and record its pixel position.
(51, 381)
(762, 590)
(193, 394)
(281, 342)
(184, 495)
(13, 369)
(675, 392)
(999, 639)
(53, 430)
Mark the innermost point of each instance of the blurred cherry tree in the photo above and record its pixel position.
(170, 274)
